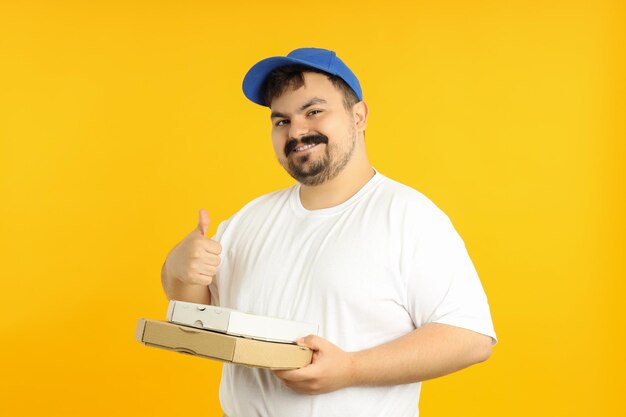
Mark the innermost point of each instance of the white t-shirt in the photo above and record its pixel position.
(368, 271)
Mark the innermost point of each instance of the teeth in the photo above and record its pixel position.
(305, 147)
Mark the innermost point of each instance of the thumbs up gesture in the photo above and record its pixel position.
(195, 259)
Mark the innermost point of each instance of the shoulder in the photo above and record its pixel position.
(408, 202)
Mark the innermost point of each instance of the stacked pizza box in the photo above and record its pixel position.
(228, 335)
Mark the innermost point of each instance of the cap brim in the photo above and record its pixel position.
(255, 78)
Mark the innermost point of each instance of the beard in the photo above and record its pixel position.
(326, 167)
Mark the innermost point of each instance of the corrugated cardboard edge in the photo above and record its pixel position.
(141, 326)
(170, 310)
(248, 352)
(201, 316)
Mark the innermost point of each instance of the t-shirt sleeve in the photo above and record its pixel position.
(443, 286)
(213, 287)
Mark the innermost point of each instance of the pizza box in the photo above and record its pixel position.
(222, 347)
(237, 323)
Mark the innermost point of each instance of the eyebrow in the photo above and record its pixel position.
(302, 108)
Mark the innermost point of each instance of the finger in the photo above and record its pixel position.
(202, 247)
(208, 270)
(312, 341)
(210, 259)
(204, 250)
(292, 375)
(199, 279)
(305, 387)
(203, 221)
(212, 246)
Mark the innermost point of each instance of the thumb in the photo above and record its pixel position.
(203, 221)
(312, 341)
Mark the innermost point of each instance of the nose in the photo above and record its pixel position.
(298, 128)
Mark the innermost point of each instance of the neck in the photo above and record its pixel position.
(338, 190)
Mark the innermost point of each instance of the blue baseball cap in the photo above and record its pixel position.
(321, 59)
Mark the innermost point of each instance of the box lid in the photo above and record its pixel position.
(238, 323)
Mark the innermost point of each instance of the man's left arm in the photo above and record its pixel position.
(430, 351)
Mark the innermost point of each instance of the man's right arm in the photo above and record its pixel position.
(191, 266)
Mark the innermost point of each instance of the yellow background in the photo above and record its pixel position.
(120, 119)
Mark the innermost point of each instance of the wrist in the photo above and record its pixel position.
(353, 369)
(169, 280)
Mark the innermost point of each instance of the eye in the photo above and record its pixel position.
(281, 122)
(314, 112)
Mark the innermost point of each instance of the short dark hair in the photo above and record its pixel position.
(292, 76)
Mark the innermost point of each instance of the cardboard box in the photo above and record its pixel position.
(222, 347)
(236, 323)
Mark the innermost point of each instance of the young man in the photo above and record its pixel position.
(374, 262)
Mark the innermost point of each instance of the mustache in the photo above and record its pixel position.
(305, 140)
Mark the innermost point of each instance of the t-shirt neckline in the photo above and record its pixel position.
(297, 206)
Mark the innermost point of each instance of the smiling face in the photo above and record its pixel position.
(313, 134)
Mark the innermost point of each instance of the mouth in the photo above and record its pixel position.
(304, 148)
(304, 145)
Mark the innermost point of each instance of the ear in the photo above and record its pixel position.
(360, 112)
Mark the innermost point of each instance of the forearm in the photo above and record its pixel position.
(429, 352)
(177, 290)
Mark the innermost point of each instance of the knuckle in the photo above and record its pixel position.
(212, 260)
(202, 280)
(216, 247)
